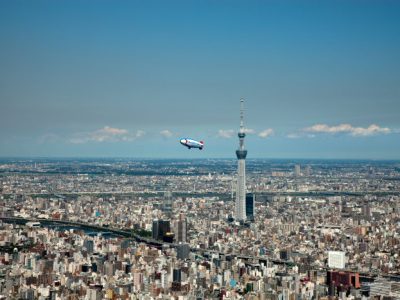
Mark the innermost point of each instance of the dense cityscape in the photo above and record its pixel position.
(200, 150)
(317, 229)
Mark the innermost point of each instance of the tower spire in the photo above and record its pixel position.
(241, 115)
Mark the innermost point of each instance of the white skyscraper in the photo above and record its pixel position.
(336, 259)
(241, 153)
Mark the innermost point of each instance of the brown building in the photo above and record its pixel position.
(343, 279)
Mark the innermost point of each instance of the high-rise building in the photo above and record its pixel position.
(160, 229)
(154, 229)
(366, 210)
(336, 259)
(307, 171)
(167, 204)
(177, 275)
(241, 153)
(250, 199)
(297, 171)
(163, 228)
(343, 279)
(89, 245)
(382, 288)
(181, 229)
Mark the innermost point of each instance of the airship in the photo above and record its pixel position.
(190, 143)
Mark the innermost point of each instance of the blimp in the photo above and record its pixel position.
(190, 143)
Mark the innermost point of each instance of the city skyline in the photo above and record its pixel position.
(129, 79)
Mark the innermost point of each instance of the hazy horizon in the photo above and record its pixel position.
(33, 158)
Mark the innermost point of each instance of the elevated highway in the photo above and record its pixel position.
(185, 193)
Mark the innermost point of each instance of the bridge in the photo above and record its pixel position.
(118, 232)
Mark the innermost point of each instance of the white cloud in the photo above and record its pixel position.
(372, 129)
(226, 134)
(77, 140)
(113, 131)
(229, 133)
(48, 138)
(166, 133)
(106, 134)
(293, 136)
(266, 133)
(249, 131)
(140, 133)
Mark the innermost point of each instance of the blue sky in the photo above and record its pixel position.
(321, 79)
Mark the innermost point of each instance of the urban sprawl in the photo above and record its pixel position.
(166, 229)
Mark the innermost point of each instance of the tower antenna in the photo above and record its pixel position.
(241, 115)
